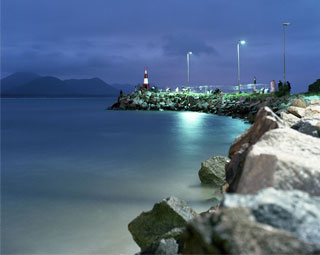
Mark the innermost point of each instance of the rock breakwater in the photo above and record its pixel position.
(238, 106)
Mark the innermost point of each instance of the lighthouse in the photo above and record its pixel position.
(146, 81)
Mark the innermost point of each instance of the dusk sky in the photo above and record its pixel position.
(116, 39)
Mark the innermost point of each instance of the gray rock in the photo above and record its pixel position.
(162, 247)
(167, 247)
(137, 100)
(312, 111)
(148, 93)
(297, 111)
(298, 102)
(212, 171)
(280, 111)
(308, 126)
(293, 211)
(315, 102)
(144, 105)
(285, 159)
(166, 215)
(289, 118)
(235, 231)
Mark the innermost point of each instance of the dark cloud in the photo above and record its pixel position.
(180, 45)
(115, 39)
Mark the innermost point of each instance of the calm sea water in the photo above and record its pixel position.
(73, 175)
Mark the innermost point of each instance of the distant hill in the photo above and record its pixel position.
(49, 86)
(17, 79)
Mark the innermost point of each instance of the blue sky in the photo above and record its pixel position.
(116, 39)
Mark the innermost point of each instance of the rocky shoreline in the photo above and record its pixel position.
(238, 106)
(272, 199)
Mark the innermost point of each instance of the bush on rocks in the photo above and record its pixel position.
(315, 87)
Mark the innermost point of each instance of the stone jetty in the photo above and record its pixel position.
(243, 106)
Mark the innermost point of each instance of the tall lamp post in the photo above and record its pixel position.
(284, 51)
(238, 48)
(188, 65)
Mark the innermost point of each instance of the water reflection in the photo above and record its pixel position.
(190, 124)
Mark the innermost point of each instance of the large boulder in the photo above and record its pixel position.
(235, 231)
(166, 215)
(298, 102)
(212, 171)
(285, 159)
(297, 111)
(289, 118)
(293, 211)
(265, 120)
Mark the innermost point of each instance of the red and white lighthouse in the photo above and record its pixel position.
(146, 81)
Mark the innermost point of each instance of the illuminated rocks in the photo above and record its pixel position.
(289, 118)
(243, 107)
(308, 126)
(315, 102)
(284, 159)
(166, 215)
(297, 111)
(312, 111)
(298, 102)
(235, 231)
(293, 211)
(265, 120)
(213, 171)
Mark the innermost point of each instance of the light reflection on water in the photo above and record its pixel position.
(74, 175)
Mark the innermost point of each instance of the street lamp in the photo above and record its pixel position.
(188, 65)
(238, 47)
(284, 54)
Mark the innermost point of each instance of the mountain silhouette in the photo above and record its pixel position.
(49, 86)
(17, 79)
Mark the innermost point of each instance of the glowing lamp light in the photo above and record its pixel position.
(243, 42)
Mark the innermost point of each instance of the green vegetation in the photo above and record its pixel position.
(283, 90)
(314, 87)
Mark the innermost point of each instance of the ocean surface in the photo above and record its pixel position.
(73, 175)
